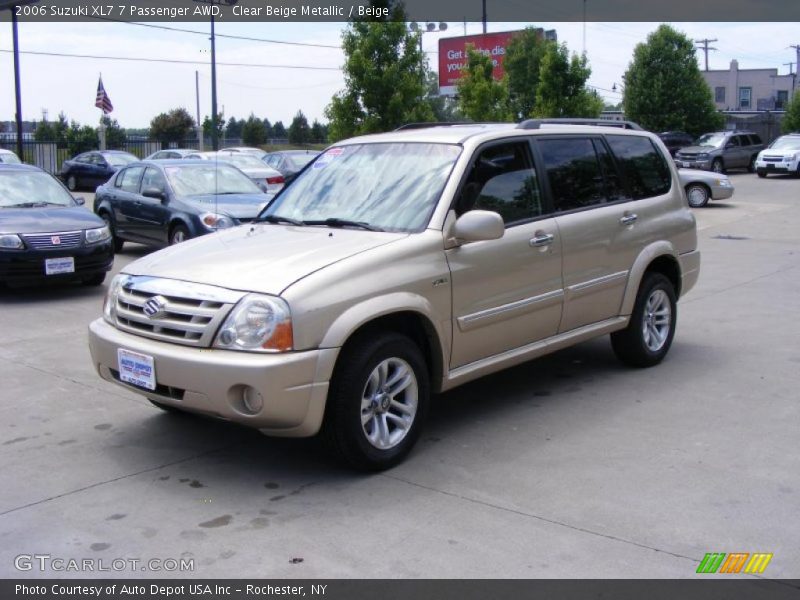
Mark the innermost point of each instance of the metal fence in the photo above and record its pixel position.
(767, 124)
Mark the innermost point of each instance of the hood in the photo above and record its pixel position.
(697, 149)
(259, 258)
(241, 206)
(47, 220)
(790, 152)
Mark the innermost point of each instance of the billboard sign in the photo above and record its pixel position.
(453, 55)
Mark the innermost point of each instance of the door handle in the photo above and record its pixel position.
(629, 219)
(542, 239)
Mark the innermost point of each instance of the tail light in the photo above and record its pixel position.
(275, 180)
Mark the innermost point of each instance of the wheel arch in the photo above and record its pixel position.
(656, 258)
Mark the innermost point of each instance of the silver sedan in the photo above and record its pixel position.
(702, 186)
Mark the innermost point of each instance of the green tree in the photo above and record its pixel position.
(233, 129)
(220, 125)
(480, 97)
(384, 77)
(279, 131)
(522, 65)
(253, 132)
(299, 131)
(664, 89)
(44, 132)
(173, 126)
(444, 108)
(318, 133)
(268, 129)
(115, 135)
(81, 138)
(791, 120)
(562, 90)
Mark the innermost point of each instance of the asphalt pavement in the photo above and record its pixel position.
(569, 466)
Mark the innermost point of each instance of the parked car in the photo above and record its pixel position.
(782, 156)
(260, 173)
(165, 202)
(702, 186)
(403, 264)
(721, 151)
(45, 233)
(91, 169)
(675, 140)
(8, 157)
(257, 152)
(171, 153)
(290, 162)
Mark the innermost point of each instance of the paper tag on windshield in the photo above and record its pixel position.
(328, 157)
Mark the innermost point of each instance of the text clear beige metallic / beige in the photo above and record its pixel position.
(403, 264)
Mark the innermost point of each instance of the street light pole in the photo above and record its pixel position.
(214, 136)
(17, 91)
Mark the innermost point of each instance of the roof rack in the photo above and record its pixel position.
(536, 123)
(440, 124)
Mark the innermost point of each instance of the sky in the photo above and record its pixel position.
(140, 90)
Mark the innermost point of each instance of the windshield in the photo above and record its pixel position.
(119, 160)
(243, 161)
(9, 158)
(786, 143)
(31, 188)
(298, 161)
(200, 180)
(390, 186)
(713, 140)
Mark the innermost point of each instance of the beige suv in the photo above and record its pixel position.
(403, 264)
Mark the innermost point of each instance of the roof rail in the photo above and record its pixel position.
(536, 123)
(440, 124)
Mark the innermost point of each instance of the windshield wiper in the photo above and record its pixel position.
(279, 219)
(336, 222)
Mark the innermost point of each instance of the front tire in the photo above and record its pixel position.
(118, 243)
(377, 402)
(697, 195)
(178, 234)
(648, 336)
(717, 166)
(95, 280)
(762, 174)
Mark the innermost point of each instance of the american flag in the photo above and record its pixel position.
(103, 101)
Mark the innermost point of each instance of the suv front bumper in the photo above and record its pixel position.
(772, 166)
(293, 385)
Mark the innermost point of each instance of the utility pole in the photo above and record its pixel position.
(797, 63)
(17, 94)
(484, 17)
(704, 44)
(197, 98)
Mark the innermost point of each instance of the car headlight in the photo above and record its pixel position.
(257, 323)
(100, 234)
(724, 182)
(10, 241)
(110, 302)
(215, 221)
(702, 157)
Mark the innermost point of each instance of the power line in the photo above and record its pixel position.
(174, 61)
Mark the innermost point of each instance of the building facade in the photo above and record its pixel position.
(750, 89)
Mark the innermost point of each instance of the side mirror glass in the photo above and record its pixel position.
(478, 226)
(154, 192)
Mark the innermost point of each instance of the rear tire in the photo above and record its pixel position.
(648, 336)
(751, 168)
(377, 401)
(697, 194)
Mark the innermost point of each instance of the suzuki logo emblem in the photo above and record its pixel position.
(155, 307)
(55, 240)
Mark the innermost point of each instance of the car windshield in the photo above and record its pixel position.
(389, 186)
(713, 140)
(201, 180)
(299, 161)
(243, 161)
(786, 143)
(119, 160)
(9, 158)
(31, 188)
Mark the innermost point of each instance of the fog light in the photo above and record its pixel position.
(252, 399)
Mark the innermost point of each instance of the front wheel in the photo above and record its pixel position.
(762, 174)
(717, 166)
(178, 234)
(648, 336)
(377, 401)
(697, 195)
(95, 280)
(118, 242)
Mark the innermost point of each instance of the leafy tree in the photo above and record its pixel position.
(664, 89)
(220, 125)
(268, 129)
(562, 90)
(384, 76)
(279, 131)
(299, 131)
(44, 132)
(480, 97)
(791, 120)
(174, 126)
(80, 139)
(444, 108)
(522, 65)
(253, 133)
(318, 132)
(115, 135)
(233, 130)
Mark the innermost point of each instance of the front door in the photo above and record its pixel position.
(506, 292)
(153, 212)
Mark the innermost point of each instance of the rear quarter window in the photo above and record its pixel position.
(643, 166)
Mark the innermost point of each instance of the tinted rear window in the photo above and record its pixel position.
(643, 167)
(574, 173)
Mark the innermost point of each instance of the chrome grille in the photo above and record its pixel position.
(191, 313)
(772, 159)
(53, 241)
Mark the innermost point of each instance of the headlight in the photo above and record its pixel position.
(110, 302)
(702, 157)
(215, 221)
(257, 323)
(724, 182)
(100, 234)
(10, 241)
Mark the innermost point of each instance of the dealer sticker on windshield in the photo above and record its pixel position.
(136, 369)
(328, 157)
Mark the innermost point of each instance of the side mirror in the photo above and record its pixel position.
(153, 192)
(478, 226)
(80, 200)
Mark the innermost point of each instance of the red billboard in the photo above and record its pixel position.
(453, 55)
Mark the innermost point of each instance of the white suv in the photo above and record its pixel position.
(782, 156)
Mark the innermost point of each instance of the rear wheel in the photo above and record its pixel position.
(377, 401)
(178, 234)
(697, 195)
(751, 168)
(648, 336)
